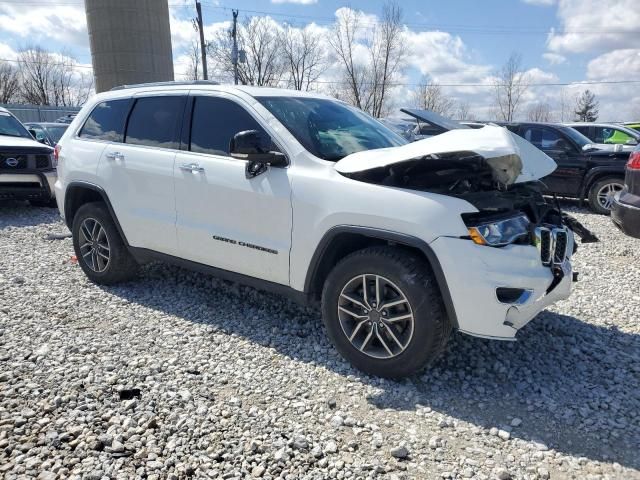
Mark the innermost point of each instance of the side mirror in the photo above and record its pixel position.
(256, 148)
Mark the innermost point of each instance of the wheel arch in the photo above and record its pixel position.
(596, 174)
(79, 193)
(342, 240)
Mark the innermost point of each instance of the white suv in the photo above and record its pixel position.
(302, 194)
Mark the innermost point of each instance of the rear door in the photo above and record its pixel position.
(224, 219)
(138, 173)
(567, 178)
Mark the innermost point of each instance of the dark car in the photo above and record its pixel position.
(584, 172)
(67, 118)
(625, 212)
(419, 124)
(47, 132)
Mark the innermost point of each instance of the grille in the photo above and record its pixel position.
(21, 162)
(42, 161)
(552, 244)
(561, 246)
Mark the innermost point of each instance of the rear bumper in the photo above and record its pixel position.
(474, 273)
(625, 213)
(28, 185)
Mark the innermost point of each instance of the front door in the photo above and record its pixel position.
(225, 220)
(567, 178)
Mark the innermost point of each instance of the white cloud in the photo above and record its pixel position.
(623, 64)
(554, 58)
(544, 3)
(593, 25)
(301, 2)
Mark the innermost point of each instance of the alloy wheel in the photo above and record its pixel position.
(375, 316)
(607, 192)
(94, 245)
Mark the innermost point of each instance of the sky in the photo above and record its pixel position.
(455, 42)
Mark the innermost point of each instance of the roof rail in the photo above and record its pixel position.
(166, 84)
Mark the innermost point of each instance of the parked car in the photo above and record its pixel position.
(48, 133)
(66, 118)
(602, 135)
(584, 171)
(298, 193)
(27, 168)
(404, 127)
(633, 125)
(626, 205)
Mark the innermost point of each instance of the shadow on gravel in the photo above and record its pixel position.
(574, 385)
(21, 214)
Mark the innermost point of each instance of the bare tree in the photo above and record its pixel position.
(565, 106)
(9, 82)
(428, 95)
(52, 79)
(259, 38)
(509, 86)
(540, 112)
(304, 56)
(386, 55)
(367, 79)
(194, 62)
(463, 112)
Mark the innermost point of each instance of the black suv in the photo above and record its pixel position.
(584, 172)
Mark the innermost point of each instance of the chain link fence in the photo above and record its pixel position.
(39, 113)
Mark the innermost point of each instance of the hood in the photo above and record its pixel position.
(434, 118)
(512, 159)
(20, 142)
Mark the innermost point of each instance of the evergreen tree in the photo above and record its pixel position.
(587, 107)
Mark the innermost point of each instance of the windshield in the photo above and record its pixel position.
(56, 132)
(11, 127)
(576, 136)
(329, 129)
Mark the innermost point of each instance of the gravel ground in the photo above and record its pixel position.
(180, 375)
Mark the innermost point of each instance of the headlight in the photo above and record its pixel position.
(497, 233)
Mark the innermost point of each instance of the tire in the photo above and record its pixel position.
(598, 189)
(398, 272)
(51, 203)
(120, 265)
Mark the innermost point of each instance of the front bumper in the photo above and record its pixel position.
(475, 272)
(625, 213)
(28, 185)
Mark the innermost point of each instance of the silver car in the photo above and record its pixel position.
(608, 136)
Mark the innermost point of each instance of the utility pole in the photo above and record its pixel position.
(203, 47)
(234, 52)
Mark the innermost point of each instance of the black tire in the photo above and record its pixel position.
(51, 203)
(413, 276)
(120, 266)
(594, 203)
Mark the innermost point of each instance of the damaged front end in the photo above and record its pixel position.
(498, 173)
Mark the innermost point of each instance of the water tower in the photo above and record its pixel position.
(130, 41)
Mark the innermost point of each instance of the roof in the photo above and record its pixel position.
(4, 110)
(252, 91)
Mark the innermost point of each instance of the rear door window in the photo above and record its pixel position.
(543, 138)
(215, 121)
(155, 121)
(106, 121)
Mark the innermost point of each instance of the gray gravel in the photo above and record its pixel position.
(180, 375)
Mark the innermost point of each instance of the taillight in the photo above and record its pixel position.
(634, 160)
(56, 154)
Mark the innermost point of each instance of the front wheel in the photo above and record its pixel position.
(602, 192)
(384, 313)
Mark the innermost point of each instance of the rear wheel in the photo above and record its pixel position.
(384, 313)
(602, 192)
(100, 250)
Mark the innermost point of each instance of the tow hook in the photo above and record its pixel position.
(575, 276)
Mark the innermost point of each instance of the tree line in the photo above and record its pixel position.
(42, 77)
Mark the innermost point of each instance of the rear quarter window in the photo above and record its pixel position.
(106, 121)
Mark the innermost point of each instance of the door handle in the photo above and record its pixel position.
(115, 156)
(192, 167)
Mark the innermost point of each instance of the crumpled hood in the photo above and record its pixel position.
(511, 158)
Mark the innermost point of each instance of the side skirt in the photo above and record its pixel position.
(143, 255)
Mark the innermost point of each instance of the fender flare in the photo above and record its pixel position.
(599, 172)
(389, 236)
(98, 189)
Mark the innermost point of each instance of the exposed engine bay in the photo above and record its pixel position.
(468, 176)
